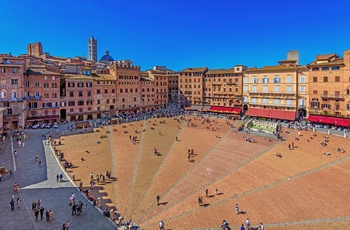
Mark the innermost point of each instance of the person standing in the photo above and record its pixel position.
(41, 213)
(206, 193)
(237, 209)
(261, 226)
(242, 227)
(36, 213)
(158, 199)
(12, 203)
(247, 223)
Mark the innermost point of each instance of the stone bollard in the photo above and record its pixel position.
(344, 135)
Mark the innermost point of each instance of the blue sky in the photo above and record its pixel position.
(179, 33)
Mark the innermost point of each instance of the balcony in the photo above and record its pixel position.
(280, 106)
(273, 94)
(332, 96)
(32, 98)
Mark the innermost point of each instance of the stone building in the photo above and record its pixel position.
(273, 91)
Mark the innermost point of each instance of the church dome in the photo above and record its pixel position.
(106, 58)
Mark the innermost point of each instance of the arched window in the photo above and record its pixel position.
(302, 79)
(255, 80)
(276, 80)
(265, 80)
(315, 69)
(325, 68)
(335, 67)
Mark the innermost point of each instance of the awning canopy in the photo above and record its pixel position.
(345, 122)
(272, 113)
(53, 117)
(223, 109)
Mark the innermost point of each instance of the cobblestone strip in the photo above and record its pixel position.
(157, 173)
(166, 192)
(113, 166)
(135, 170)
(266, 186)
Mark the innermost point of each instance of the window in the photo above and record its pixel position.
(335, 68)
(89, 93)
(71, 103)
(302, 102)
(14, 81)
(80, 84)
(276, 102)
(265, 89)
(315, 69)
(14, 70)
(277, 80)
(245, 88)
(245, 80)
(71, 94)
(265, 80)
(302, 89)
(255, 80)
(80, 102)
(37, 84)
(288, 102)
(254, 89)
(88, 84)
(314, 103)
(70, 84)
(264, 101)
(106, 90)
(80, 93)
(302, 79)
(134, 98)
(289, 79)
(26, 83)
(337, 78)
(113, 90)
(53, 78)
(276, 89)
(325, 79)
(98, 102)
(314, 79)
(289, 89)
(325, 68)
(253, 100)
(98, 91)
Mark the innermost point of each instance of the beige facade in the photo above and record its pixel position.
(281, 87)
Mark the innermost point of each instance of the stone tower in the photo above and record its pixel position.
(92, 47)
(35, 49)
(293, 55)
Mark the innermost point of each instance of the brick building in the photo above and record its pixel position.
(329, 89)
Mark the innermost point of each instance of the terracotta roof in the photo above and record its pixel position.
(275, 68)
(324, 56)
(104, 77)
(220, 71)
(339, 61)
(78, 77)
(40, 71)
(199, 69)
(287, 61)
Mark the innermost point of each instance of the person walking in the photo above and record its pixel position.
(242, 227)
(18, 202)
(206, 193)
(161, 225)
(237, 209)
(261, 226)
(12, 203)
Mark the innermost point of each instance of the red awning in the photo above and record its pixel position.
(345, 122)
(223, 109)
(271, 113)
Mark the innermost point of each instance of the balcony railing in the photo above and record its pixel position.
(273, 94)
(32, 98)
(332, 96)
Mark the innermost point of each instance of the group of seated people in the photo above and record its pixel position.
(278, 155)
(340, 150)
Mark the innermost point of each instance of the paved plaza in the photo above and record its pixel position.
(304, 188)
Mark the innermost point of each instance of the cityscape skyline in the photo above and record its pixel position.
(181, 34)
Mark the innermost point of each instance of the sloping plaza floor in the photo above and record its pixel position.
(302, 189)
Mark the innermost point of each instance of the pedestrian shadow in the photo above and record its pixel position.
(242, 212)
(211, 196)
(163, 203)
(191, 161)
(205, 205)
(220, 193)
